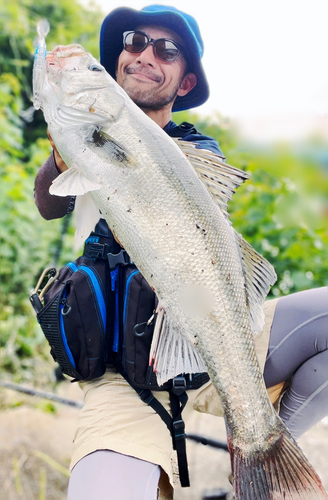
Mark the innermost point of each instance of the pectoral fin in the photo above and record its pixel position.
(109, 148)
(72, 182)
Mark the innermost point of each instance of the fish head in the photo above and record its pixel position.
(71, 71)
(76, 81)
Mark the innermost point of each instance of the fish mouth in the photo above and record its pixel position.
(64, 55)
(66, 51)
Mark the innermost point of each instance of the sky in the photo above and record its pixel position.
(266, 61)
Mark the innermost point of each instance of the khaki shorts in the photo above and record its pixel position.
(115, 418)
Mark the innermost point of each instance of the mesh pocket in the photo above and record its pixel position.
(49, 319)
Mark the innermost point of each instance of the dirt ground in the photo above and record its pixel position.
(35, 447)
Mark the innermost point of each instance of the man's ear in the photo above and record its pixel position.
(187, 84)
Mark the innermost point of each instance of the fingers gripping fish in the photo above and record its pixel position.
(166, 202)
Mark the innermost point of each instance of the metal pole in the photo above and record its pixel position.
(41, 394)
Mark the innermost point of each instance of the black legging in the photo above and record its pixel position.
(298, 350)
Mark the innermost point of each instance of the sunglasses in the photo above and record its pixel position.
(165, 49)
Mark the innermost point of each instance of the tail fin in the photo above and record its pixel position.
(279, 473)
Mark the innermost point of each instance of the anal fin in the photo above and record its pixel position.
(171, 352)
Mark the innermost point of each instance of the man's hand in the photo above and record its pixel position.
(58, 159)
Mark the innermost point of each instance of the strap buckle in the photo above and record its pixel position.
(146, 396)
(119, 258)
(96, 250)
(178, 429)
(179, 385)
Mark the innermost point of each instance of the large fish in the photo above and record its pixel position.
(166, 204)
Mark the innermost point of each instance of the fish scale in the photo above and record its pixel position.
(166, 204)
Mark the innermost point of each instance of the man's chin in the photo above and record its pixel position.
(147, 97)
(140, 93)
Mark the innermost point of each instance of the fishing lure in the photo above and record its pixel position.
(39, 67)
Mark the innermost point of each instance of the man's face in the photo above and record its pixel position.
(151, 83)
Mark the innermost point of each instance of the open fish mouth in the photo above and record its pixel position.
(66, 51)
(64, 56)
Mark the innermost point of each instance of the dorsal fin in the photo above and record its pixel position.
(220, 179)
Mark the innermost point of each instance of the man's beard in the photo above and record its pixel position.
(149, 99)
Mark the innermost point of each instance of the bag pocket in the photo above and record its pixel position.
(74, 318)
(50, 322)
(138, 305)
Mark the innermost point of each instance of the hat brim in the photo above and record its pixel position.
(124, 19)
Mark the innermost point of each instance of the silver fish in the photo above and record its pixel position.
(167, 205)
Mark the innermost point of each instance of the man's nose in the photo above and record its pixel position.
(147, 56)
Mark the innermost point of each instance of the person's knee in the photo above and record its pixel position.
(105, 474)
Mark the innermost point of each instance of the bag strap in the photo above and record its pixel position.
(174, 423)
(178, 402)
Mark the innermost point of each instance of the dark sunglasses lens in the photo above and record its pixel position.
(166, 50)
(135, 42)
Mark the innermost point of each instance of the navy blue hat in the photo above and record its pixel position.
(124, 19)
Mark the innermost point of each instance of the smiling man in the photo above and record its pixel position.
(122, 448)
(155, 55)
(154, 77)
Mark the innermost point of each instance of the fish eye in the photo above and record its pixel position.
(95, 67)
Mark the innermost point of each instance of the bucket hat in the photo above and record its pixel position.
(124, 19)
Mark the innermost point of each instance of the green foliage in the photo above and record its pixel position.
(28, 243)
(282, 210)
(11, 136)
(69, 23)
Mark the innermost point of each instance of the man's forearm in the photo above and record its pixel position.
(50, 206)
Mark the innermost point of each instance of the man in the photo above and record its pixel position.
(122, 448)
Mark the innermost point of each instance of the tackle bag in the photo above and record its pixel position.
(73, 317)
(100, 310)
(73, 308)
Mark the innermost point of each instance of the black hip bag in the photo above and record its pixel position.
(100, 310)
(73, 314)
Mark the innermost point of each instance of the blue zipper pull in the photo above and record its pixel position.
(113, 278)
(115, 288)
